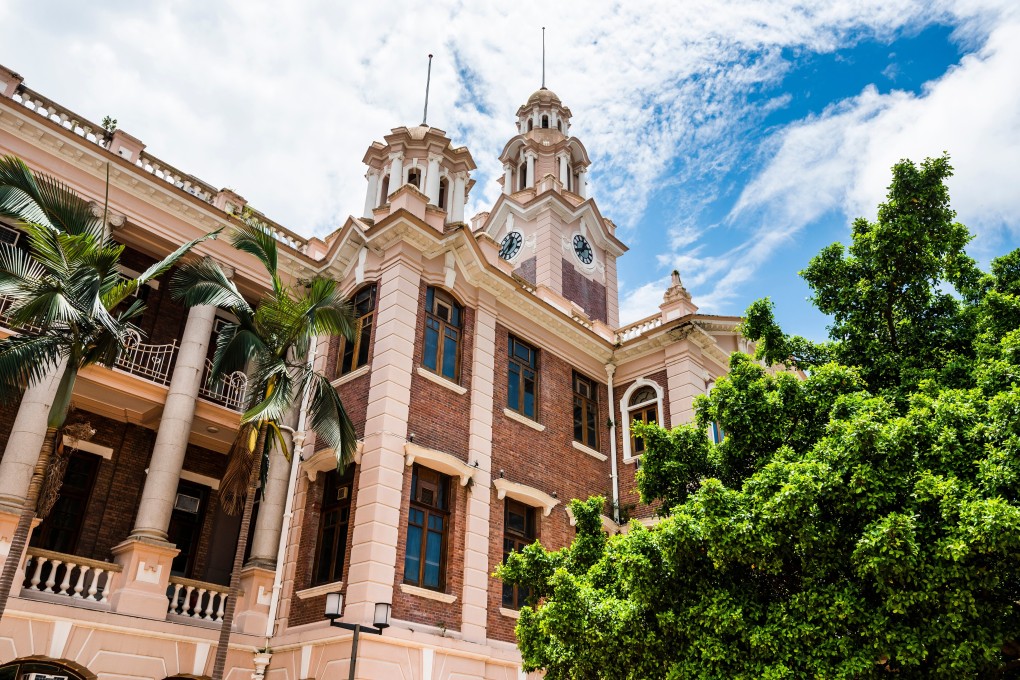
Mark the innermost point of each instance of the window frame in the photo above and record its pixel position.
(361, 342)
(626, 409)
(444, 489)
(534, 367)
(589, 406)
(332, 481)
(434, 296)
(518, 541)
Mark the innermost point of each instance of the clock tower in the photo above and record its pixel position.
(547, 225)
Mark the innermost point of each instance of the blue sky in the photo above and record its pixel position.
(731, 140)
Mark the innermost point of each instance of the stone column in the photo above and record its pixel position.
(582, 183)
(26, 439)
(476, 539)
(432, 179)
(266, 540)
(457, 202)
(396, 172)
(564, 169)
(531, 169)
(380, 492)
(167, 459)
(371, 193)
(508, 179)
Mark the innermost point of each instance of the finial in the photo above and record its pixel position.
(428, 81)
(543, 57)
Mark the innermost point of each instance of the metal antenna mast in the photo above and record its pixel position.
(428, 81)
(543, 57)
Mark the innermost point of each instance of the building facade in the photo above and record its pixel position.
(490, 383)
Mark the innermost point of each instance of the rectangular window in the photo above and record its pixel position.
(335, 517)
(428, 522)
(61, 529)
(354, 353)
(443, 321)
(586, 411)
(519, 522)
(522, 378)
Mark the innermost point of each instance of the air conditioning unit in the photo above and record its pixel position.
(9, 235)
(186, 503)
(43, 676)
(342, 493)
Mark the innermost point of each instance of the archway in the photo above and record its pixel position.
(52, 669)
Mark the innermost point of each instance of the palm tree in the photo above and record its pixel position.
(64, 288)
(270, 343)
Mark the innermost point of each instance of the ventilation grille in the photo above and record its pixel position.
(10, 237)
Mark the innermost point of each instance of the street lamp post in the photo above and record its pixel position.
(335, 609)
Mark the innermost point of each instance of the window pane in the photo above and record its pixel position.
(578, 419)
(366, 339)
(412, 561)
(529, 394)
(431, 355)
(513, 388)
(592, 434)
(326, 549)
(450, 355)
(433, 558)
(508, 596)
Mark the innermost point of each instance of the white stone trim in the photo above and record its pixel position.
(510, 613)
(427, 594)
(324, 460)
(89, 447)
(608, 524)
(590, 451)
(628, 457)
(439, 461)
(351, 375)
(528, 495)
(316, 591)
(524, 420)
(210, 482)
(440, 380)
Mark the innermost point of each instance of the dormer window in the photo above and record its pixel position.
(414, 177)
(545, 121)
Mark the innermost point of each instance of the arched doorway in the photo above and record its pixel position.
(41, 667)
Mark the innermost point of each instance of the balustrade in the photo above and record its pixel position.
(227, 390)
(635, 329)
(152, 362)
(77, 578)
(196, 600)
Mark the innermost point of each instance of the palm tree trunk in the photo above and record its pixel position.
(20, 537)
(242, 547)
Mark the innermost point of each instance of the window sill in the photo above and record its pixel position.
(441, 381)
(590, 451)
(510, 613)
(316, 591)
(427, 594)
(632, 460)
(524, 420)
(347, 377)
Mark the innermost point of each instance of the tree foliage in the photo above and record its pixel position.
(859, 522)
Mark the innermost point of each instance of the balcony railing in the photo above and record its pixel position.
(67, 576)
(152, 362)
(6, 302)
(637, 328)
(196, 600)
(228, 390)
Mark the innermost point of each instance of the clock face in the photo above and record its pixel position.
(583, 249)
(511, 245)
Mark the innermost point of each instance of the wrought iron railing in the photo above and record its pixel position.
(152, 362)
(227, 390)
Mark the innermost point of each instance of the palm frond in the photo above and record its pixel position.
(18, 270)
(25, 360)
(328, 312)
(329, 419)
(60, 207)
(235, 347)
(128, 286)
(234, 484)
(255, 238)
(202, 282)
(274, 385)
(18, 206)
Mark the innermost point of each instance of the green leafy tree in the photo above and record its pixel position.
(270, 342)
(863, 521)
(64, 289)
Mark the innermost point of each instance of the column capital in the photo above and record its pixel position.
(396, 155)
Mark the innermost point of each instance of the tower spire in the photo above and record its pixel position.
(543, 57)
(428, 81)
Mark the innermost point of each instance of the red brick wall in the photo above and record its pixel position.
(628, 484)
(528, 270)
(162, 322)
(591, 295)
(544, 460)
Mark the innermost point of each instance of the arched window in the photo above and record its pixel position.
(531, 125)
(27, 668)
(642, 402)
(559, 125)
(522, 175)
(385, 193)
(444, 186)
(414, 177)
(354, 354)
(545, 121)
(444, 319)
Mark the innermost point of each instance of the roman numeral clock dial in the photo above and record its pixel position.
(511, 245)
(582, 249)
